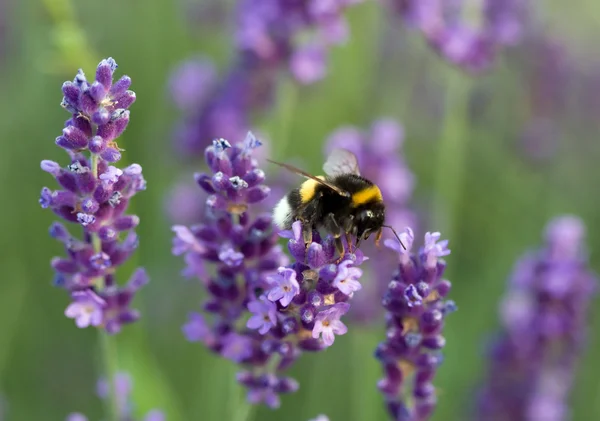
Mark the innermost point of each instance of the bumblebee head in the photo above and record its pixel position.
(369, 219)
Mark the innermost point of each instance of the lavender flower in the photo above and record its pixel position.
(269, 29)
(261, 312)
(94, 194)
(219, 107)
(445, 28)
(379, 153)
(544, 315)
(412, 351)
(268, 38)
(122, 387)
(549, 76)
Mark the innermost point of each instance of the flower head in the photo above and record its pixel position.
(449, 33)
(543, 317)
(261, 311)
(328, 324)
(285, 287)
(95, 194)
(415, 316)
(87, 309)
(271, 35)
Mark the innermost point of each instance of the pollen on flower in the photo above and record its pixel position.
(237, 208)
(409, 324)
(329, 299)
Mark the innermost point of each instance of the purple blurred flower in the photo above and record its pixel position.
(269, 29)
(544, 317)
(184, 203)
(308, 64)
(122, 387)
(95, 194)
(548, 77)
(447, 30)
(261, 312)
(76, 416)
(416, 309)
(270, 36)
(379, 153)
(264, 315)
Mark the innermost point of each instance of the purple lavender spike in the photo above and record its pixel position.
(96, 196)
(269, 36)
(449, 34)
(544, 318)
(414, 321)
(261, 312)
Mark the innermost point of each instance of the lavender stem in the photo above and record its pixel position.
(108, 349)
(451, 153)
(287, 100)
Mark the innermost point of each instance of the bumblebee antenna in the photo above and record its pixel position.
(396, 234)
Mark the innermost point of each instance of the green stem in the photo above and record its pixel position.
(70, 40)
(288, 97)
(362, 401)
(451, 155)
(241, 409)
(108, 349)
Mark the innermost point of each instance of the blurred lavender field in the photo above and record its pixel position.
(477, 119)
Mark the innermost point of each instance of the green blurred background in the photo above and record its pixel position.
(476, 183)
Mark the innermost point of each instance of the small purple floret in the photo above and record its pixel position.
(264, 315)
(285, 287)
(87, 309)
(328, 323)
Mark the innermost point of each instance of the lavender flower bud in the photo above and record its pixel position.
(414, 325)
(96, 196)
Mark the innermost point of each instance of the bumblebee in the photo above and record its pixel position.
(341, 202)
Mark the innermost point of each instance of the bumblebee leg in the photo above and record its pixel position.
(347, 227)
(378, 237)
(307, 232)
(334, 228)
(339, 246)
(349, 241)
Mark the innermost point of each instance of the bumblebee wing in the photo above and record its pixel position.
(310, 176)
(341, 161)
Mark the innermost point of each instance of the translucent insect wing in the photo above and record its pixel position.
(341, 161)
